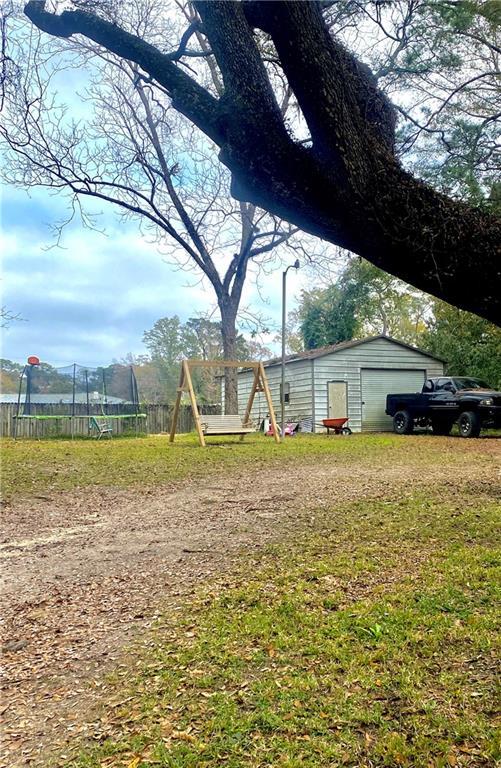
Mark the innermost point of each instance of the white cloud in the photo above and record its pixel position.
(91, 300)
(94, 297)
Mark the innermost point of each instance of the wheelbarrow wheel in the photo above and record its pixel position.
(346, 431)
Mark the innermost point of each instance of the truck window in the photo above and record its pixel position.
(445, 385)
(467, 383)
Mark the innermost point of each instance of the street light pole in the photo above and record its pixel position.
(282, 387)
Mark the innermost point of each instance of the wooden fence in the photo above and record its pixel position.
(158, 419)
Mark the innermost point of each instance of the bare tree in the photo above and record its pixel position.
(136, 151)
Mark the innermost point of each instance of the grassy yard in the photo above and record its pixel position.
(30, 466)
(368, 638)
(370, 643)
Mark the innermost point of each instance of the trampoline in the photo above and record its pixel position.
(69, 398)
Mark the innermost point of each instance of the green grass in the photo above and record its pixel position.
(368, 639)
(370, 643)
(48, 465)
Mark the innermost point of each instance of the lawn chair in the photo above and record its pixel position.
(101, 426)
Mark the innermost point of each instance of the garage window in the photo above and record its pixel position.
(287, 392)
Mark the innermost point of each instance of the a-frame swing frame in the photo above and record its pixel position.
(259, 384)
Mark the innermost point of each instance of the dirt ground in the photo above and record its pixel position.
(85, 571)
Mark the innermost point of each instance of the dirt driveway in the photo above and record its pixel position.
(85, 570)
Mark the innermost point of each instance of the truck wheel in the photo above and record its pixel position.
(403, 423)
(441, 427)
(469, 424)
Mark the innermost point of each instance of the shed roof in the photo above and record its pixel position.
(312, 354)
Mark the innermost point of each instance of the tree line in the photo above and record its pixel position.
(157, 373)
(366, 301)
(363, 301)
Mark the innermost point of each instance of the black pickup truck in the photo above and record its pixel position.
(443, 401)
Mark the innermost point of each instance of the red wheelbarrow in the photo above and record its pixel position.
(337, 425)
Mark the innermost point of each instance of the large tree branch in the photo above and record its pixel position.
(400, 224)
(235, 49)
(347, 188)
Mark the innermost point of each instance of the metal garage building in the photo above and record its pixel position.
(348, 379)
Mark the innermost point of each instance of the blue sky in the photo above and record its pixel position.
(90, 300)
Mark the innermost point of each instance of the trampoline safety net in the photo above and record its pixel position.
(78, 390)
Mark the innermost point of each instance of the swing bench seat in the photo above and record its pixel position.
(232, 424)
(225, 425)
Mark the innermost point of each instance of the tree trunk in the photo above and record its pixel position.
(229, 334)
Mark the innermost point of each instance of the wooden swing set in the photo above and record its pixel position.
(231, 424)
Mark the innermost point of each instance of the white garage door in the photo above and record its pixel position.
(379, 382)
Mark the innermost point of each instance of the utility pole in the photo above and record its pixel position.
(282, 387)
